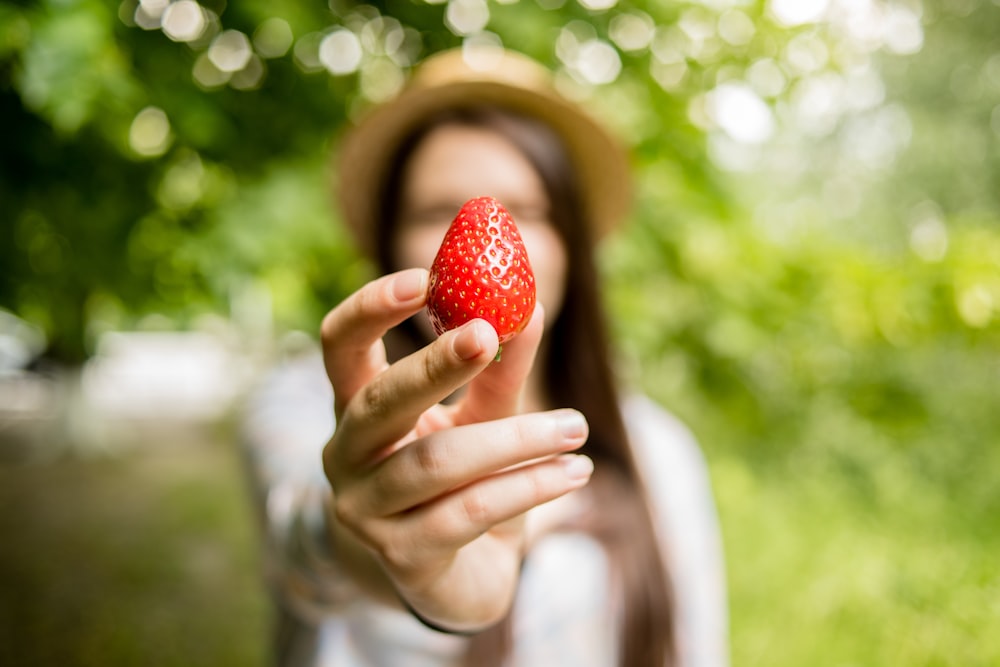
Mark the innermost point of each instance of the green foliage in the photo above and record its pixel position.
(97, 233)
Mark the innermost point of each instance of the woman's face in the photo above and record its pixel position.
(455, 163)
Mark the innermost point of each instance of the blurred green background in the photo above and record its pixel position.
(811, 280)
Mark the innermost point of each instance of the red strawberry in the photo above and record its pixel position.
(482, 271)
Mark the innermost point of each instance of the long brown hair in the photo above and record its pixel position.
(577, 373)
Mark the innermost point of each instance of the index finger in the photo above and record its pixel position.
(351, 333)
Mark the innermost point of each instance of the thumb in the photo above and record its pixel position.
(497, 391)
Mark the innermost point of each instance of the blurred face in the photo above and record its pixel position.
(455, 163)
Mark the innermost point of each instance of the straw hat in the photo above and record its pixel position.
(459, 78)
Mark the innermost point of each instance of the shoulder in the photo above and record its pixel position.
(673, 469)
(672, 466)
(676, 477)
(671, 463)
(661, 441)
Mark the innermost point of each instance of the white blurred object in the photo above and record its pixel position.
(741, 113)
(20, 343)
(164, 375)
(28, 400)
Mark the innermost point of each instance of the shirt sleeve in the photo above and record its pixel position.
(284, 427)
(677, 480)
(321, 616)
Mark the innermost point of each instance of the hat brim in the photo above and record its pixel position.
(513, 82)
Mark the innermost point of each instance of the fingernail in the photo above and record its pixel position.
(577, 466)
(409, 285)
(572, 424)
(469, 341)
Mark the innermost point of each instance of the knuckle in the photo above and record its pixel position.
(398, 554)
(383, 486)
(338, 462)
(345, 515)
(377, 402)
(519, 431)
(475, 507)
(434, 366)
(430, 460)
(536, 486)
(366, 300)
(365, 529)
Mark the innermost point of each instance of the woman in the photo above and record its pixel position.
(521, 512)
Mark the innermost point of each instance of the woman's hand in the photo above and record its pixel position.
(438, 493)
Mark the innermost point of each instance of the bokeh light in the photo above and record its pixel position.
(976, 306)
(740, 113)
(597, 62)
(797, 12)
(230, 51)
(340, 52)
(467, 17)
(736, 28)
(766, 77)
(306, 51)
(184, 21)
(632, 31)
(806, 53)
(273, 38)
(482, 51)
(150, 134)
(588, 59)
(598, 5)
(903, 33)
(381, 79)
(148, 13)
(207, 75)
(251, 76)
(928, 232)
